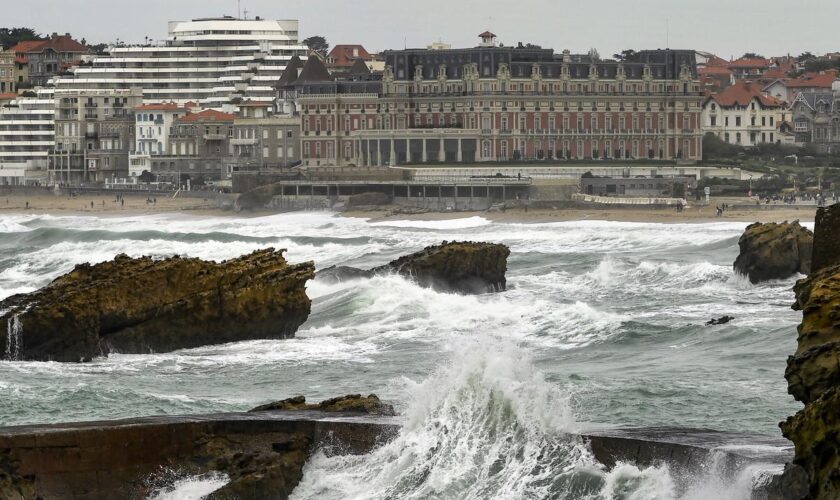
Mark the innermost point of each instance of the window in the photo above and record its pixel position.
(738, 122)
(714, 121)
(738, 138)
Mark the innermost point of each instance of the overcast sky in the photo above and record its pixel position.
(725, 27)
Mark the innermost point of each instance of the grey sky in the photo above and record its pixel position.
(726, 27)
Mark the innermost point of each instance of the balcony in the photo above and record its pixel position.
(244, 142)
(91, 105)
(214, 137)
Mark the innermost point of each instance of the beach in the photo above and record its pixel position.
(137, 204)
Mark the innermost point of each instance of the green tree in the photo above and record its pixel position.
(9, 37)
(318, 44)
(625, 55)
(751, 55)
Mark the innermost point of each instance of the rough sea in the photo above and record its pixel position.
(603, 324)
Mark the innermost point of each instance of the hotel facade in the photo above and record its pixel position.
(499, 104)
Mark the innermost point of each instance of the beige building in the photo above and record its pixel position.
(263, 141)
(94, 132)
(743, 115)
(8, 83)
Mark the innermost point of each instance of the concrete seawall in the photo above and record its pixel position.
(113, 459)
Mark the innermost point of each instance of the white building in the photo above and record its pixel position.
(151, 133)
(26, 138)
(212, 62)
(743, 115)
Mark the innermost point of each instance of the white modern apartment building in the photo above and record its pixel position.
(26, 138)
(213, 62)
(151, 133)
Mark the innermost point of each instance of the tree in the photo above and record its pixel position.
(751, 55)
(318, 44)
(9, 37)
(805, 56)
(594, 55)
(625, 55)
(147, 177)
(99, 49)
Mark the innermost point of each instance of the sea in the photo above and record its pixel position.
(603, 324)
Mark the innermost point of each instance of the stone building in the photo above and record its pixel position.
(263, 141)
(94, 132)
(48, 58)
(497, 104)
(198, 145)
(742, 114)
(8, 80)
(816, 119)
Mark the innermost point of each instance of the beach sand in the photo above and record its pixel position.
(106, 205)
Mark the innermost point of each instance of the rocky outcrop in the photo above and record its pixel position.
(12, 485)
(354, 403)
(142, 305)
(258, 198)
(813, 372)
(462, 267)
(774, 251)
(826, 238)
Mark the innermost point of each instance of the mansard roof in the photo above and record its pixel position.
(290, 74)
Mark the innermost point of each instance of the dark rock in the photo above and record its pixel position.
(12, 485)
(826, 238)
(792, 484)
(462, 267)
(258, 198)
(720, 321)
(144, 305)
(354, 403)
(774, 251)
(369, 199)
(337, 274)
(813, 372)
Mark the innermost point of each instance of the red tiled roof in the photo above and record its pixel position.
(715, 61)
(714, 70)
(487, 34)
(8, 96)
(28, 46)
(774, 74)
(346, 55)
(751, 62)
(210, 115)
(742, 93)
(817, 80)
(159, 106)
(21, 59)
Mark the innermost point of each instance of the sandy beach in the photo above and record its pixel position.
(107, 205)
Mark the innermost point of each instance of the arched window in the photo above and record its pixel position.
(485, 149)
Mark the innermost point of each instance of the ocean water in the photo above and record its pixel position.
(603, 323)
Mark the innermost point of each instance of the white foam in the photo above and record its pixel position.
(191, 488)
(442, 225)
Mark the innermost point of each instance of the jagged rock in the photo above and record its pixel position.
(792, 484)
(826, 238)
(719, 321)
(144, 305)
(813, 372)
(12, 486)
(369, 199)
(774, 251)
(462, 267)
(353, 403)
(337, 274)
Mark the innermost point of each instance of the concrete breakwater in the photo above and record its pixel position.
(115, 459)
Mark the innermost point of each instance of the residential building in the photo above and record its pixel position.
(788, 88)
(743, 115)
(94, 132)
(816, 119)
(749, 67)
(198, 144)
(50, 57)
(8, 78)
(213, 62)
(26, 138)
(342, 57)
(491, 104)
(151, 133)
(263, 141)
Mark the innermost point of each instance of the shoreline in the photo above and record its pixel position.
(136, 205)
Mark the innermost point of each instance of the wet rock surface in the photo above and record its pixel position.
(461, 267)
(826, 238)
(353, 403)
(774, 251)
(813, 372)
(143, 305)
